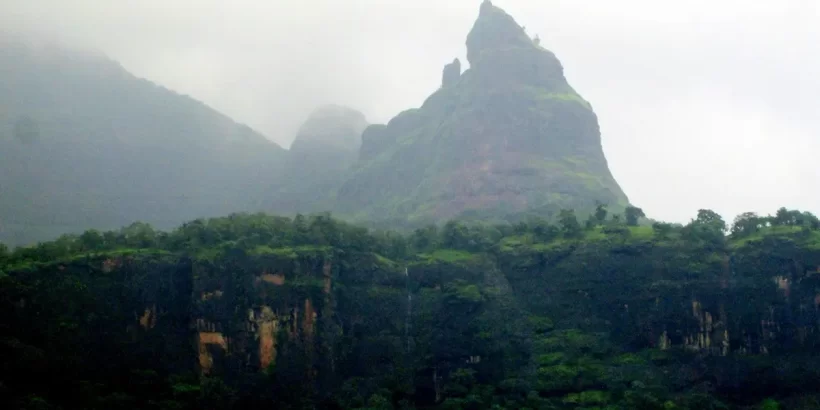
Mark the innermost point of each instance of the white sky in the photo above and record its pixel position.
(702, 104)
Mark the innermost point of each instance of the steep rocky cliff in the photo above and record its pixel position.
(506, 136)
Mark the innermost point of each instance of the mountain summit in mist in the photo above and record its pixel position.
(326, 146)
(507, 136)
(85, 144)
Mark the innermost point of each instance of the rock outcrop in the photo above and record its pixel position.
(451, 73)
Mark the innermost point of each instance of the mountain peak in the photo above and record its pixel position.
(325, 146)
(494, 29)
(507, 136)
(333, 125)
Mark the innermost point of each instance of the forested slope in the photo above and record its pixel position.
(256, 311)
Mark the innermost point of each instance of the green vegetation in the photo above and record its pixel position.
(462, 316)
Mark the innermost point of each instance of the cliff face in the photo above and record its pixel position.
(506, 136)
(312, 316)
(655, 296)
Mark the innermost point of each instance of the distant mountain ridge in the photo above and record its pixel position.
(85, 144)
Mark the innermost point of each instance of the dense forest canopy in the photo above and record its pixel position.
(311, 312)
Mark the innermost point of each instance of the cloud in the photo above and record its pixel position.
(702, 104)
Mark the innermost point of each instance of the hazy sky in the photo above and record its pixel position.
(703, 103)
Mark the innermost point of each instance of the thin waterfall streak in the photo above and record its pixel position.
(409, 311)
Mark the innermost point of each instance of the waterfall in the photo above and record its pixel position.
(409, 313)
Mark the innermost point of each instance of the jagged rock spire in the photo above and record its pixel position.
(451, 74)
(508, 135)
(494, 29)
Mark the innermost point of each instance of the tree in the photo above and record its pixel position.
(600, 213)
(391, 244)
(455, 235)
(633, 214)
(569, 223)
(4, 257)
(91, 240)
(804, 219)
(425, 238)
(769, 404)
(140, 235)
(782, 217)
(323, 230)
(300, 225)
(542, 230)
(811, 220)
(215, 394)
(590, 223)
(746, 224)
(662, 229)
(785, 217)
(708, 226)
(708, 217)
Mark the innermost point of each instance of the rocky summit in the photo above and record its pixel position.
(508, 135)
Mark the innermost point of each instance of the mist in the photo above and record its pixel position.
(701, 104)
